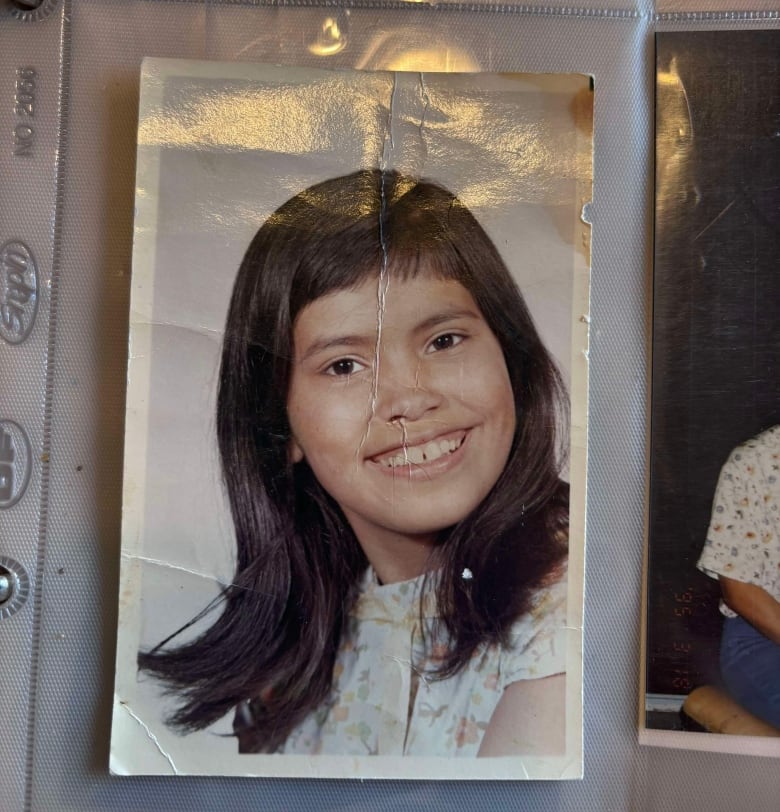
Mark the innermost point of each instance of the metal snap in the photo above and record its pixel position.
(14, 586)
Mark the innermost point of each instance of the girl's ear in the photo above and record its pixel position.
(294, 451)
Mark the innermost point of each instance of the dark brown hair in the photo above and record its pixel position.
(272, 649)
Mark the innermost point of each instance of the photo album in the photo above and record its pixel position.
(356, 427)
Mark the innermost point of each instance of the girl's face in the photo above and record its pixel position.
(406, 420)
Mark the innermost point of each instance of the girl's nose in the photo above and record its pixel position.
(404, 393)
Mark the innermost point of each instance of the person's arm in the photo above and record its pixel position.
(754, 604)
(529, 720)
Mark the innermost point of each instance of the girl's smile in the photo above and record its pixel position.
(406, 420)
(423, 458)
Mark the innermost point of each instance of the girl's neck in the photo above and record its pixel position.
(395, 556)
(392, 569)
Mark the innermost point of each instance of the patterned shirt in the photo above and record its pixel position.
(382, 702)
(743, 540)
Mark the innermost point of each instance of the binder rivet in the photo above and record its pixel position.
(14, 586)
(7, 585)
(30, 11)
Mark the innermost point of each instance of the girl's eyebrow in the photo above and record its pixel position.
(328, 343)
(450, 314)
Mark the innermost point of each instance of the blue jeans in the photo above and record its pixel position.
(750, 667)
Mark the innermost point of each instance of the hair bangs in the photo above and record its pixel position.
(402, 230)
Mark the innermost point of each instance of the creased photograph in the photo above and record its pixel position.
(355, 452)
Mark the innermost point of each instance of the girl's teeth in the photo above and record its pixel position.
(416, 455)
(433, 450)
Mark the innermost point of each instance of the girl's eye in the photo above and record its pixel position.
(343, 367)
(445, 341)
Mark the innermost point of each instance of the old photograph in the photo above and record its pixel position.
(712, 658)
(354, 490)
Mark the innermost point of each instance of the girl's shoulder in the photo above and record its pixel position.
(763, 448)
(537, 640)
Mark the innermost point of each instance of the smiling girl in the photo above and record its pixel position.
(389, 427)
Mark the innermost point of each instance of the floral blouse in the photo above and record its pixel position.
(383, 704)
(743, 539)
